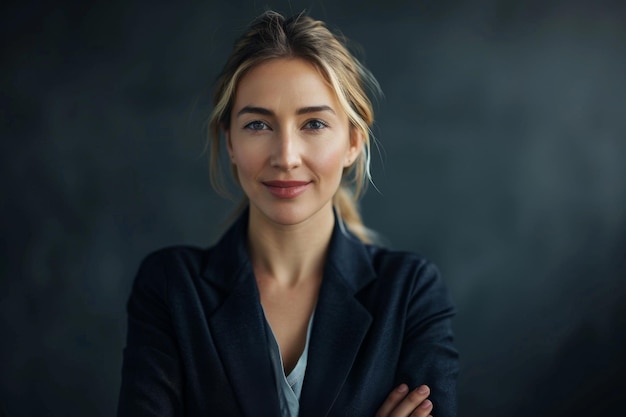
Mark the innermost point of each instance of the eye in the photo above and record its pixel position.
(315, 124)
(256, 125)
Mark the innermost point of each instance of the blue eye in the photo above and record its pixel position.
(256, 125)
(315, 124)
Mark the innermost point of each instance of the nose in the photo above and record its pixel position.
(285, 152)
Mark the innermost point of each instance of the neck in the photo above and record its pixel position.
(289, 254)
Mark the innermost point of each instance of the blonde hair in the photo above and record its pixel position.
(272, 36)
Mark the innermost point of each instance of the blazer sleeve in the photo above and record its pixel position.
(428, 355)
(151, 369)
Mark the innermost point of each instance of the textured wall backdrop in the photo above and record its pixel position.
(503, 136)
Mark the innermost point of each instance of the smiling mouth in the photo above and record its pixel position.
(285, 184)
(286, 189)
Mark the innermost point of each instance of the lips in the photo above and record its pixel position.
(286, 189)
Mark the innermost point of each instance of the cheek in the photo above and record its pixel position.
(245, 173)
(247, 160)
(331, 161)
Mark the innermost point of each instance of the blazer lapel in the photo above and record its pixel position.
(340, 324)
(238, 325)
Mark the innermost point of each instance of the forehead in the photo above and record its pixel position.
(284, 82)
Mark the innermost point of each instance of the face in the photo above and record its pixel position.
(289, 140)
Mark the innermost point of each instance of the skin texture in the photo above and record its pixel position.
(287, 125)
(314, 146)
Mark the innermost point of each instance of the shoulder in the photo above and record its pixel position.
(411, 276)
(189, 258)
(171, 264)
(389, 263)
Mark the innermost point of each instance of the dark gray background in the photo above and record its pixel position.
(503, 130)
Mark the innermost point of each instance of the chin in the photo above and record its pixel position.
(290, 214)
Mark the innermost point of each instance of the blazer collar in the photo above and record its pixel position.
(228, 259)
(238, 323)
(347, 257)
(339, 327)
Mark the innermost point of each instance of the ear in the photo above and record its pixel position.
(357, 141)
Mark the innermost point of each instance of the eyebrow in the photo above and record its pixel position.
(315, 109)
(267, 112)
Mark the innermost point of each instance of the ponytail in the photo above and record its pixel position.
(348, 212)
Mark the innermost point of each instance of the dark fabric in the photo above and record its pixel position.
(196, 335)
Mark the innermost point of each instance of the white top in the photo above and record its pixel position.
(288, 386)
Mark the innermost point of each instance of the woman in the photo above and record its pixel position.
(293, 312)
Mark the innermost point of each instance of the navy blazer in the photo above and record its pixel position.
(196, 341)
